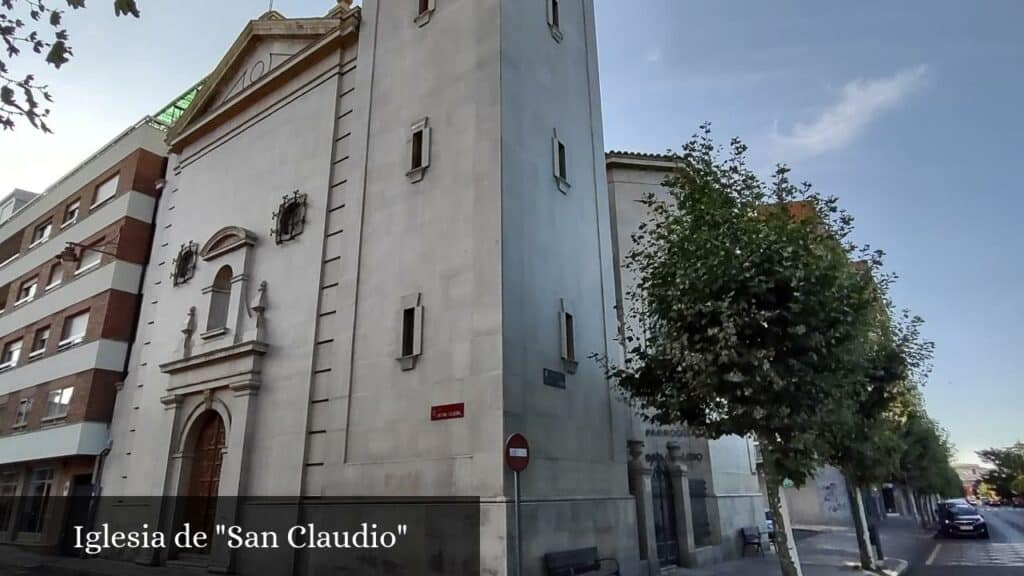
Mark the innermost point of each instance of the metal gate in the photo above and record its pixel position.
(665, 533)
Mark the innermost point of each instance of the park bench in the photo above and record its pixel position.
(752, 537)
(581, 561)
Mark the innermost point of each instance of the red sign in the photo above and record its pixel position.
(448, 411)
(517, 452)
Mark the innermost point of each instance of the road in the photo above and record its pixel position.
(1002, 555)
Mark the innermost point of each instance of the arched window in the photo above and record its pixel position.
(220, 298)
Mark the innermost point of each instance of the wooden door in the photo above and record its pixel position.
(204, 483)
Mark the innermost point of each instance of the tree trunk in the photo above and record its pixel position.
(868, 559)
(789, 559)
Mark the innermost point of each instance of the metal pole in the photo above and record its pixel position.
(519, 541)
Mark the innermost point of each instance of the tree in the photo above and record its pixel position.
(984, 490)
(864, 442)
(1007, 465)
(42, 33)
(925, 459)
(746, 317)
(1018, 485)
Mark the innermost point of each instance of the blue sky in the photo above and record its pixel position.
(909, 112)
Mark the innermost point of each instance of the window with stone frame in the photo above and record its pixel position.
(184, 265)
(410, 344)
(220, 301)
(290, 218)
(567, 321)
(419, 150)
(555, 19)
(560, 162)
(424, 10)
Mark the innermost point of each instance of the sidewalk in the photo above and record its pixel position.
(823, 552)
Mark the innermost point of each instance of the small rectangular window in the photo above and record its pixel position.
(27, 291)
(41, 233)
(74, 329)
(106, 191)
(568, 327)
(57, 402)
(555, 19)
(42, 336)
(88, 259)
(424, 8)
(10, 354)
(24, 407)
(56, 276)
(560, 162)
(71, 213)
(410, 344)
(419, 150)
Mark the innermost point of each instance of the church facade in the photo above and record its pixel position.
(385, 244)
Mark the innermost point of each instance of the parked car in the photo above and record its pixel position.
(958, 518)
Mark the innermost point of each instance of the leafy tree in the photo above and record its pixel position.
(35, 26)
(864, 442)
(926, 456)
(1018, 485)
(985, 490)
(1007, 465)
(746, 317)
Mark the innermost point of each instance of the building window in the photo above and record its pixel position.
(184, 265)
(88, 260)
(568, 328)
(27, 291)
(39, 340)
(10, 355)
(8, 492)
(33, 513)
(410, 345)
(71, 213)
(105, 191)
(290, 218)
(560, 163)
(555, 19)
(74, 330)
(24, 407)
(419, 150)
(41, 233)
(56, 276)
(57, 402)
(425, 8)
(220, 300)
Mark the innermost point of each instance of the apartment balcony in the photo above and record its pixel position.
(79, 439)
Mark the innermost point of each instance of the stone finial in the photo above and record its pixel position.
(259, 306)
(636, 449)
(675, 455)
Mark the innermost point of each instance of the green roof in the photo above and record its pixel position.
(170, 113)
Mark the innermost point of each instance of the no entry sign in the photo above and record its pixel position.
(517, 452)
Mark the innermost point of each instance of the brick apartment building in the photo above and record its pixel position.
(71, 265)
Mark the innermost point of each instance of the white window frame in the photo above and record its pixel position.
(77, 204)
(60, 278)
(423, 16)
(33, 353)
(34, 283)
(558, 147)
(47, 228)
(113, 181)
(73, 339)
(555, 19)
(422, 126)
(20, 416)
(9, 260)
(16, 346)
(92, 264)
(63, 402)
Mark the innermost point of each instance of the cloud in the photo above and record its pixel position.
(860, 103)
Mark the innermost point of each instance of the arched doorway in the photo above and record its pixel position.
(204, 476)
(665, 534)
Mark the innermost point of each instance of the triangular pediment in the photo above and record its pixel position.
(266, 45)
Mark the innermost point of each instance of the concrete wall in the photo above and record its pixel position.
(823, 501)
